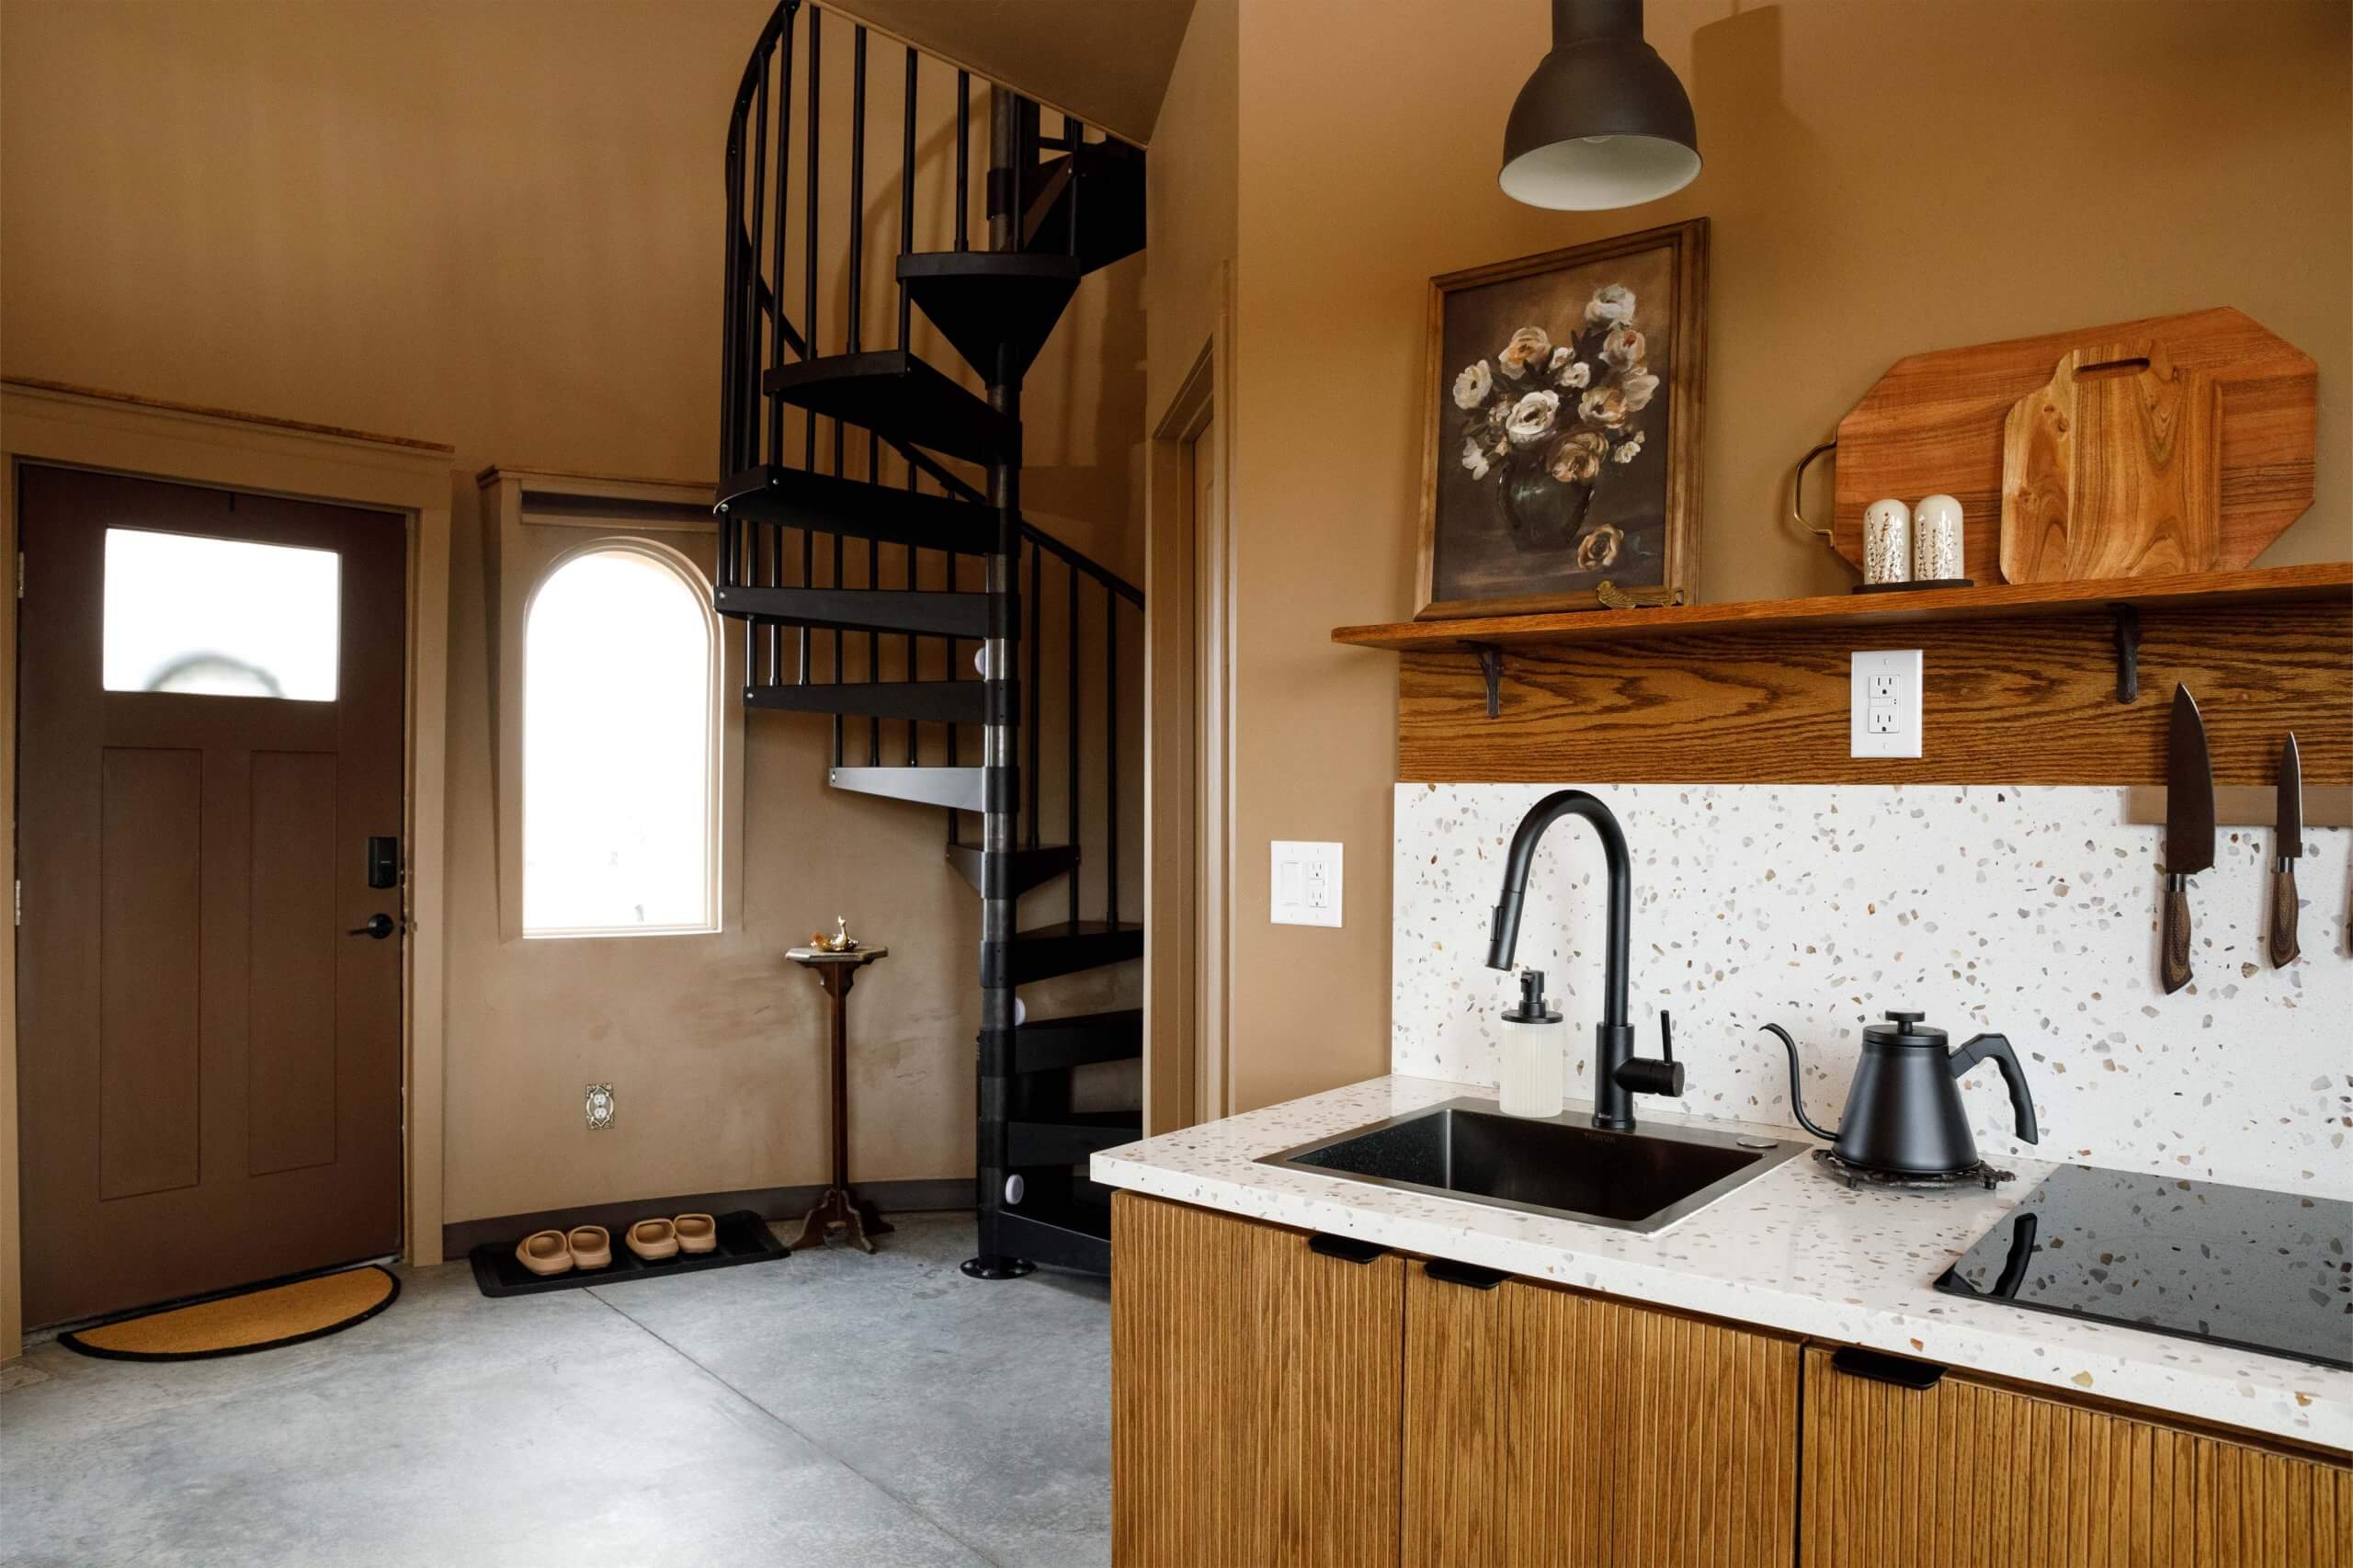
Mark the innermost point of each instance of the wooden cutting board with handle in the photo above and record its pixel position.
(2113, 469)
(1934, 423)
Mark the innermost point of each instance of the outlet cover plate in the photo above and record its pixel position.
(1884, 717)
(1306, 885)
(597, 1107)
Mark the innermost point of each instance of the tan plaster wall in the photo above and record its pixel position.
(1883, 177)
(498, 225)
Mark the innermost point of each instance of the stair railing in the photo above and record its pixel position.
(767, 254)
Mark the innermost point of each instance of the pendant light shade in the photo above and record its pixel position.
(1603, 122)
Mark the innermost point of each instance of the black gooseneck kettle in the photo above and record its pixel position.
(1904, 1111)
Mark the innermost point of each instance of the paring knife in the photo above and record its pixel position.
(2189, 828)
(2287, 842)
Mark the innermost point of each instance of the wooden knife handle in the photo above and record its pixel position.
(2281, 938)
(2176, 950)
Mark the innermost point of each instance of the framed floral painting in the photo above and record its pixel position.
(1564, 416)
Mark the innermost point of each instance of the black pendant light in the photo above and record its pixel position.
(1603, 122)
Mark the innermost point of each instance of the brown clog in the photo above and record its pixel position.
(653, 1240)
(546, 1252)
(696, 1233)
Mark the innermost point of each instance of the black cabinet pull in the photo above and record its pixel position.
(1348, 1249)
(1469, 1274)
(1900, 1370)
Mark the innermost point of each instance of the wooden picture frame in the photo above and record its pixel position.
(1538, 505)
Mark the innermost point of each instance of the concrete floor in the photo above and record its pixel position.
(830, 1409)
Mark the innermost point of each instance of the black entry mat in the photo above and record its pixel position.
(744, 1237)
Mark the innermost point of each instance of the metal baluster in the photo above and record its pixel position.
(752, 389)
(906, 190)
(808, 307)
(731, 330)
(1070, 731)
(963, 160)
(776, 269)
(1076, 135)
(955, 672)
(914, 668)
(1110, 758)
(1030, 715)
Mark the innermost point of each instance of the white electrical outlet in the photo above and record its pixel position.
(1306, 886)
(1886, 705)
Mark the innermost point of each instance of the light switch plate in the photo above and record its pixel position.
(1885, 704)
(1306, 885)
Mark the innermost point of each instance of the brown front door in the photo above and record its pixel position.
(208, 1061)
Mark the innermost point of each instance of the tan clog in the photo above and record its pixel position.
(546, 1252)
(653, 1240)
(696, 1233)
(592, 1246)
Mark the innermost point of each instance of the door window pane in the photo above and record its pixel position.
(619, 770)
(220, 617)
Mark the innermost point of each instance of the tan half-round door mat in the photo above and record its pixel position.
(261, 1319)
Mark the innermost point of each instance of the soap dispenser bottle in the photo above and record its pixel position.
(1531, 1063)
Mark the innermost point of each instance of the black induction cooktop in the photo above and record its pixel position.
(2227, 1266)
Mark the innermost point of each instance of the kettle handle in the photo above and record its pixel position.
(1999, 1049)
(1797, 1095)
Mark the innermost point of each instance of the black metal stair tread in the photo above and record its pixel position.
(1025, 869)
(1045, 951)
(992, 303)
(1078, 1040)
(943, 701)
(825, 504)
(963, 789)
(893, 393)
(1067, 1137)
(1109, 180)
(936, 613)
(1058, 1232)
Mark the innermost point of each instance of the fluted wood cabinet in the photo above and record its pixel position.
(1273, 1404)
(1969, 1472)
(1544, 1426)
(1256, 1391)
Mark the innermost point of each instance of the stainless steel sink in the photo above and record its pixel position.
(1468, 1150)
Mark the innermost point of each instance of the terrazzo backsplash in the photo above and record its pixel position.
(2029, 911)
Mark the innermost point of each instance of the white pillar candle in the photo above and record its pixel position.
(1887, 542)
(1936, 541)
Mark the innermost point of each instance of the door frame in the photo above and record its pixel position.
(52, 425)
(1188, 757)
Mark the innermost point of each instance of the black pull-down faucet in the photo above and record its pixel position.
(1618, 1074)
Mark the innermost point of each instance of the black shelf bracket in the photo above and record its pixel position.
(2127, 653)
(1491, 666)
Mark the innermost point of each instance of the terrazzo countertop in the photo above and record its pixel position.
(1795, 1250)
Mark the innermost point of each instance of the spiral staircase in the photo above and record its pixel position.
(873, 548)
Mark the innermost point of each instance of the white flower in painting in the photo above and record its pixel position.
(1604, 406)
(1577, 460)
(1528, 346)
(1613, 304)
(1575, 373)
(1628, 450)
(1638, 387)
(1533, 417)
(1471, 387)
(1474, 459)
(1622, 347)
(1561, 357)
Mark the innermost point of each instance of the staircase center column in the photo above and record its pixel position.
(1001, 776)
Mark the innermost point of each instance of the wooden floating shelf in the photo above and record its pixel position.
(2272, 584)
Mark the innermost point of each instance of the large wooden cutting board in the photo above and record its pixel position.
(2112, 469)
(1935, 423)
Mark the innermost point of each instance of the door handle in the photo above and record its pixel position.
(380, 926)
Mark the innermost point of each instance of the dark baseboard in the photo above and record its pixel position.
(463, 1237)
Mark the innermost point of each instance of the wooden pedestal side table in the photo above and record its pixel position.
(841, 1210)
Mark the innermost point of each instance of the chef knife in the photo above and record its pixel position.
(2286, 843)
(2189, 828)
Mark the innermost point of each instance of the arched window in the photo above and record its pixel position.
(620, 746)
